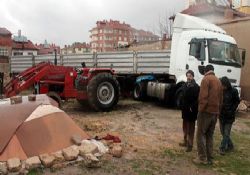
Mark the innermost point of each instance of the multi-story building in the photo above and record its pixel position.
(46, 48)
(5, 53)
(143, 36)
(76, 48)
(108, 35)
(215, 11)
(22, 46)
(242, 5)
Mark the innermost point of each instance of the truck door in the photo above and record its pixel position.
(197, 58)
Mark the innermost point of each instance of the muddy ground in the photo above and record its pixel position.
(150, 135)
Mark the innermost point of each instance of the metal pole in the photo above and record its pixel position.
(55, 61)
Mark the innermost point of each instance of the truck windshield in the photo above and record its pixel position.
(223, 53)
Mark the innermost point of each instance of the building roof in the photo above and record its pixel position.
(4, 31)
(204, 8)
(44, 49)
(23, 45)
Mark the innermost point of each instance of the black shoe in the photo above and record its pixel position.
(189, 149)
(222, 152)
(209, 162)
(183, 144)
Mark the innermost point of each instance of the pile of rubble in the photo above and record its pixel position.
(244, 106)
(87, 152)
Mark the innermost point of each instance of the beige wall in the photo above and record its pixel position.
(240, 31)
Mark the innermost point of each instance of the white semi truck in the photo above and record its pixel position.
(195, 43)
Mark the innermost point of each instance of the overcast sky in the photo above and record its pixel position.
(66, 21)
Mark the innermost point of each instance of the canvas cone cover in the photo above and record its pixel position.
(33, 128)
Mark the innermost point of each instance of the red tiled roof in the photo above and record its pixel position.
(50, 49)
(203, 8)
(24, 45)
(4, 31)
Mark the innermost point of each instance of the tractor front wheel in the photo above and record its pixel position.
(103, 92)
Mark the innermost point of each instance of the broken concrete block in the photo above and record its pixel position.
(116, 151)
(87, 148)
(47, 160)
(91, 161)
(58, 157)
(242, 106)
(3, 168)
(16, 100)
(14, 164)
(70, 153)
(32, 97)
(76, 139)
(32, 162)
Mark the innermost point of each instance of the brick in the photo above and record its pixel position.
(70, 153)
(32, 162)
(14, 164)
(47, 160)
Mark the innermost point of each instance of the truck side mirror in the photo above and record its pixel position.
(243, 57)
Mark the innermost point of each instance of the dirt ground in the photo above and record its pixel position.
(150, 135)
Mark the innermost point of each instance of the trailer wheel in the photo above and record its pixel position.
(140, 91)
(103, 92)
(55, 97)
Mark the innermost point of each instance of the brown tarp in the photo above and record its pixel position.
(12, 116)
(46, 134)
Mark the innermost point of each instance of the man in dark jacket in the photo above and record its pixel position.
(210, 99)
(230, 103)
(189, 109)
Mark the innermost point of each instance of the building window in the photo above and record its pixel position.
(4, 52)
(30, 53)
(17, 53)
(79, 49)
(125, 38)
(120, 32)
(120, 38)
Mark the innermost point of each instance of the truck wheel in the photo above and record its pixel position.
(55, 97)
(140, 91)
(103, 92)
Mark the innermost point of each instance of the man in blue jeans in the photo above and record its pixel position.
(230, 103)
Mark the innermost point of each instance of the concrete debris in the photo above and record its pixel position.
(58, 156)
(32, 162)
(88, 147)
(3, 168)
(47, 160)
(116, 151)
(32, 97)
(242, 106)
(14, 164)
(90, 161)
(16, 100)
(76, 139)
(70, 153)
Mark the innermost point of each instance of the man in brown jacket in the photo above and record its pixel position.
(210, 99)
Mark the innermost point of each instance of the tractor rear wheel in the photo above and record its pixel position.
(103, 92)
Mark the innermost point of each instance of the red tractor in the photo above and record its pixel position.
(98, 86)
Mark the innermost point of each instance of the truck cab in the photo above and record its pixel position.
(197, 43)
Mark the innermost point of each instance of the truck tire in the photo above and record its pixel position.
(140, 91)
(55, 97)
(103, 92)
